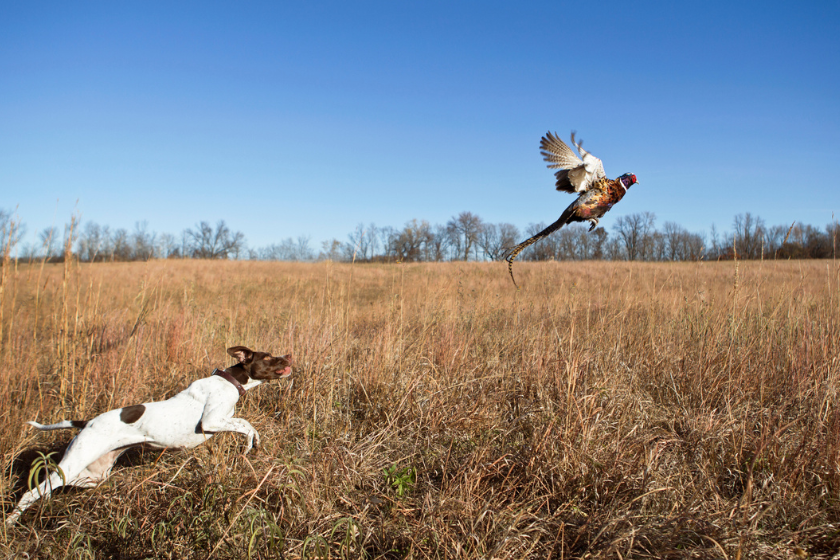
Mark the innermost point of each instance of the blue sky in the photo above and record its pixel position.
(306, 118)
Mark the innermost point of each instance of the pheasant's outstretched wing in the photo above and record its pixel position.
(558, 153)
(594, 166)
(576, 174)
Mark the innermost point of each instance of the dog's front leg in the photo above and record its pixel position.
(249, 431)
(235, 425)
(212, 422)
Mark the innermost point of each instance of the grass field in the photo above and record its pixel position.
(605, 410)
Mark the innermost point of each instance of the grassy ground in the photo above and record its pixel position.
(605, 410)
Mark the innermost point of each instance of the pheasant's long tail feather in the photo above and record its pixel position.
(531, 240)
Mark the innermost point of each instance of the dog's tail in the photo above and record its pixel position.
(63, 425)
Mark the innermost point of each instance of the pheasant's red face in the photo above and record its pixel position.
(627, 180)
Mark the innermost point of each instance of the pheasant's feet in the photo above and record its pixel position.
(594, 222)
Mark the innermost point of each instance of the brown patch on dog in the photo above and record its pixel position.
(131, 414)
(78, 423)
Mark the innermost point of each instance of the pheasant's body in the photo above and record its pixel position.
(586, 176)
(597, 201)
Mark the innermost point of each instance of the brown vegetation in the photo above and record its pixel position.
(621, 410)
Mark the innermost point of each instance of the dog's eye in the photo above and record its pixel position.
(268, 357)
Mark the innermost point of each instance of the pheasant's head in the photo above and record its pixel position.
(628, 179)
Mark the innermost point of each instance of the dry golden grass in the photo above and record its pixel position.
(615, 410)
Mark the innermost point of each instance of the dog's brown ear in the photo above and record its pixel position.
(241, 353)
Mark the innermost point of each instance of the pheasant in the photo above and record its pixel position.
(584, 175)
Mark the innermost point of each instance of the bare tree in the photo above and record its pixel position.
(331, 250)
(143, 242)
(49, 241)
(120, 246)
(693, 246)
(672, 233)
(635, 231)
(715, 244)
(565, 244)
(656, 247)
(90, 244)
(599, 243)
(775, 237)
(497, 239)
(275, 251)
(389, 236)
(584, 242)
(614, 249)
(818, 244)
(303, 252)
(362, 243)
(11, 232)
(572, 242)
(167, 247)
(749, 235)
(464, 230)
(832, 231)
(359, 246)
(439, 243)
(413, 240)
(205, 242)
(287, 250)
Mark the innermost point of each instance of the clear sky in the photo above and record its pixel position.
(306, 118)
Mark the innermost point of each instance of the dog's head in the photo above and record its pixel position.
(262, 365)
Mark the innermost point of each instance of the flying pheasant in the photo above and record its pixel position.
(584, 175)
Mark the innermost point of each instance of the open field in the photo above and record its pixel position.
(605, 410)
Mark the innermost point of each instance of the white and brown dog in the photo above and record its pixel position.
(186, 420)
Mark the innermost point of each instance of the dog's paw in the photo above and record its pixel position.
(253, 443)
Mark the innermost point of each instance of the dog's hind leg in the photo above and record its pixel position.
(55, 480)
(89, 476)
(99, 470)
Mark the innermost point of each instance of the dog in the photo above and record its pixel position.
(186, 420)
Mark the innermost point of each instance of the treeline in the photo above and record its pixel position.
(464, 237)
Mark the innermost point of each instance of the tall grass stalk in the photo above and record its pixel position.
(4, 280)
